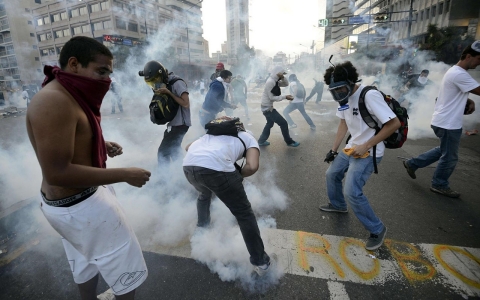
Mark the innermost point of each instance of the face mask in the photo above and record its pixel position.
(422, 80)
(341, 91)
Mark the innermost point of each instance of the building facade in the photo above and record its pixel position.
(19, 58)
(237, 28)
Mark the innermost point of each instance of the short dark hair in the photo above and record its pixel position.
(225, 73)
(470, 51)
(84, 49)
(341, 72)
(425, 71)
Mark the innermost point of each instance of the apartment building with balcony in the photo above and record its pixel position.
(19, 57)
(124, 22)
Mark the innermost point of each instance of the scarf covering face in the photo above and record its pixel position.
(89, 94)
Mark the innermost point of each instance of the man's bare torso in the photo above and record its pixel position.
(73, 117)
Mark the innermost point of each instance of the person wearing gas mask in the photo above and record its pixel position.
(170, 147)
(355, 161)
(414, 85)
(272, 93)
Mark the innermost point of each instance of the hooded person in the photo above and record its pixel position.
(297, 103)
(272, 93)
(218, 68)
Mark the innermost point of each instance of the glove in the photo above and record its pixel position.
(330, 156)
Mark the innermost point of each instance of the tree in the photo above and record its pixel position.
(447, 43)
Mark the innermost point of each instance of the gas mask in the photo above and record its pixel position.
(422, 80)
(340, 91)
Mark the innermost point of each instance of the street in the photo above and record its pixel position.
(432, 249)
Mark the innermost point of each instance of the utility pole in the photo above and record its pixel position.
(410, 15)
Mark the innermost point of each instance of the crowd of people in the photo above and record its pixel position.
(80, 203)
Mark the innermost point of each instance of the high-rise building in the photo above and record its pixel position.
(237, 28)
(19, 57)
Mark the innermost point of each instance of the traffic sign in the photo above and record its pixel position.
(359, 20)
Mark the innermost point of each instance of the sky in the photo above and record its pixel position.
(286, 25)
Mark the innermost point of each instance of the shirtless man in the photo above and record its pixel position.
(63, 124)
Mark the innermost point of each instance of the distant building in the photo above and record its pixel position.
(237, 28)
(280, 59)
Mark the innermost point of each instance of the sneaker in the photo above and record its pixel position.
(313, 127)
(330, 208)
(292, 126)
(410, 171)
(294, 144)
(266, 143)
(446, 192)
(271, 265)
(107, 295)
(375, 241)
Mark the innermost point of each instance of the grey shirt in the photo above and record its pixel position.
(183, 114)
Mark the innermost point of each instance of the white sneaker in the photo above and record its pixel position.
(273, 261)
(107, 295)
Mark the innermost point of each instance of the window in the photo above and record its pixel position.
(35, 47)
(421, 15)
(59, 49)
(105, 5)
(27, 10)
(440, 8)
(58, 34)
(32, 34)
(95, 7)
(427, 14)
(66, 32)
(10, 49)
(44, 52)
(132, 27)
(37, 58)
(46, 20)
(143, 29)
(83, 11)
(98, 26)
(42, 37)
(64, 15)
(447, 6)
(77, 30)
(121, 24)
(39, 22)
(56, 18)
(434, 10)
(86, 28)
(107, 24)
(29, 22)
(74, 13)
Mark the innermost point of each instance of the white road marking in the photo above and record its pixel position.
(337, 291)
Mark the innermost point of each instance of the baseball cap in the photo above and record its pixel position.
(220, 66)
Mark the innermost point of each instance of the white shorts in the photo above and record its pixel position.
(97, 238)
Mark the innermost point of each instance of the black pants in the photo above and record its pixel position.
(274, 117)
(229, 189)
(170, 148)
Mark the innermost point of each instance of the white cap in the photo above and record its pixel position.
(476, 46)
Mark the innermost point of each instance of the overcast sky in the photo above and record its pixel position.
(276, 25)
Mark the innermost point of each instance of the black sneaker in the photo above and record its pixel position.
(446, 192)
(376, 240)
(410, 172)
(330, 208)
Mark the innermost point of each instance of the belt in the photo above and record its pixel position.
(71, 200)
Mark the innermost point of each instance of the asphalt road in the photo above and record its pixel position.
(432, 249)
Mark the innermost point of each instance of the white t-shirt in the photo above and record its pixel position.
(218, 152)
(293, 92)
(357, 127)
(452, 98)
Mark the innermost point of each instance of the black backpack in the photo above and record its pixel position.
(163, 108)
(300, 91)
(396, 139)
(221, 126)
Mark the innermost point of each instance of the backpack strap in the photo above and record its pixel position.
(169, 87)
(239, 168)
(368, 119)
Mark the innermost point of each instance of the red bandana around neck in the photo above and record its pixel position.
(89, 94)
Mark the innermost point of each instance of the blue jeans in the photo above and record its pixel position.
(206, 117)
(301, 107)
(229, 189)
(357, 171)
(446, 154)
(274, 117)
(171, 146)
